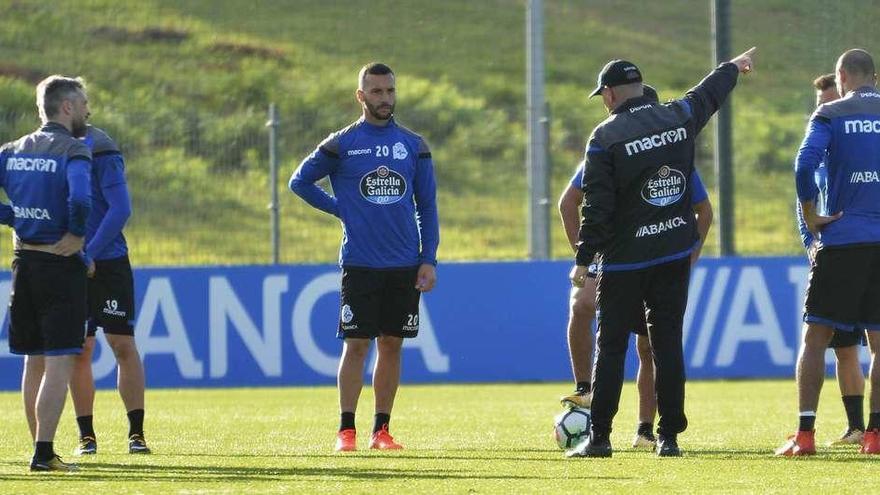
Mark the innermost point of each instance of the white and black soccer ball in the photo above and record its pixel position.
(571, 426)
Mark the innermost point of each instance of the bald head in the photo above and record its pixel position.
(855, 68)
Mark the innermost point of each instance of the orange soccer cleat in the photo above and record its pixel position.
(802, 443)
(871, 442)
(383, 440)
(346, 440)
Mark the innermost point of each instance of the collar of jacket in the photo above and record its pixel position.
(54, 127)
(632, 103)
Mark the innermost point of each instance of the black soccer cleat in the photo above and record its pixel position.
(53, 464)
(87, 446)
(593, 446)
(137, 445)
(667, 446)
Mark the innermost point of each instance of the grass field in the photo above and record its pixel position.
(458, 438)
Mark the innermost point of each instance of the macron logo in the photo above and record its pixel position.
(31, 164)
(861, 126)
(365, 151)
(655, 141)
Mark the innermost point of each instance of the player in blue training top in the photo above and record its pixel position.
(844, 283)
(111, 298)
(46, 176)
(384, 193)
(846, 344)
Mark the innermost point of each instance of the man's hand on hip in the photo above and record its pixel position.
(68, 245)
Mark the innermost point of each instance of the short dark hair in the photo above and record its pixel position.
(374, 68)
(53, 90)
(825, 81)
(857, 62)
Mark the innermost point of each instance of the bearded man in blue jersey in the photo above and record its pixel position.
(384, 193)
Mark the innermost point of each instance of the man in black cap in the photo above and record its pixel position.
(639, 223)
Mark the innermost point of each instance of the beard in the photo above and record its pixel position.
(381, 112)
(79, 128)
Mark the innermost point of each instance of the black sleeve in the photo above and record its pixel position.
(598, 209)
(707, 97)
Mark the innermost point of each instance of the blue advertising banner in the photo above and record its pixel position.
(276, 325)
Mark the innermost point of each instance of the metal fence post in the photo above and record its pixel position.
(536, 164)
(723, 132)
(272, 124)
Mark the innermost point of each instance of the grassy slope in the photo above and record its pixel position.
(461, 65)
(459, 439)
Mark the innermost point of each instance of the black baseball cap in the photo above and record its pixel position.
(617, 73)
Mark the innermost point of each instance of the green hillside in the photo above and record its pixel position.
(184, 87)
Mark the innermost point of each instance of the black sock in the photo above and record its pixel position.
(874, 421)
(136, 422)
(807, 422)
(346, 421)
(85, 426)
(645, 428)
(43, 451)
(854, 405)
(380, 421)
(582, 387)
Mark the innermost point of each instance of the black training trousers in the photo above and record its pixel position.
(622, 297)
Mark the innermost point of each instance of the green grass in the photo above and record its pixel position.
(458, 438)
(184, 86)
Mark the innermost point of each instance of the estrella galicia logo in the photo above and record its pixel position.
(383, 186)
(665, 187)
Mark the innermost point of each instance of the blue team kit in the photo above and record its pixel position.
(384, 194)
(46, 176)
(852, 166)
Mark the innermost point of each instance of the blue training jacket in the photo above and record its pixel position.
(46, 176)
(845, 134)
(384, 193)
(111, 204)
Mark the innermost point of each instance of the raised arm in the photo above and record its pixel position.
(704, 99)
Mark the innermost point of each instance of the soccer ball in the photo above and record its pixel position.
(571, 426)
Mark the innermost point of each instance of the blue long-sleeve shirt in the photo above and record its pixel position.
(384, 192)
(845, 134)
(821, 179)
(46, 176)
(111, 204)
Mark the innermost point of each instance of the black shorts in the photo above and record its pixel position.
(844, 288)
(379, 302)
(47, 312)
(845, 338)
(111, 297)
(641, 327)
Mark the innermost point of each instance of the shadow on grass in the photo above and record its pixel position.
(222, 474)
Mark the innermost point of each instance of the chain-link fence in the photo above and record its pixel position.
(184, 88)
